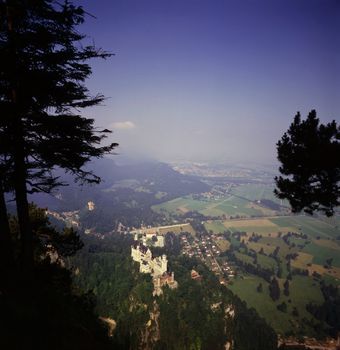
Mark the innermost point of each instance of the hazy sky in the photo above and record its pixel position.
(213, 79)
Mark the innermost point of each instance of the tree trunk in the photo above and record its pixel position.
(20, 168)
(6, 248)
(20, 188)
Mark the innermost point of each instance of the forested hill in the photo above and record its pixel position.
(199, 314)
(154, 178)
(158, 177)
(125, 194)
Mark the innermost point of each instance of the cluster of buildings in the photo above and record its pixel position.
(149, 238)
(205, 170)
(310, 343)
(70, 218)
(157, 267)
(191, 249)
(154, 236)
(207, 251)
(216, 193)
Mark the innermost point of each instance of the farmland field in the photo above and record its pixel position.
(257, 192)
(177, 229)
(266, 262)
(302, 291)
(263, 226)
(321, 254)
(259, 226)
(215, 226)
(229, 205)
(262, 243)
(312, 243)
(314, 227)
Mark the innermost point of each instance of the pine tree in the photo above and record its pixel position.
(42, 73)
(259, 288)
(286, 288)
(274, 289)
(310, 165)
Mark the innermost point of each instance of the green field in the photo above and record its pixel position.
(302, 291)
(262, 260)
(268, 249)
(313, 227)
(180, 205)
(245, 258)
(256, 192)
(332, 280)
(261, 230)
(317, 241)
(321, 254)
(320, 244)
(260, 226)
(278, 242)
(228, 206)
(215, 226)
(266, 262)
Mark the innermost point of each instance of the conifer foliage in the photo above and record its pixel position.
(43, 68)
(309, 153)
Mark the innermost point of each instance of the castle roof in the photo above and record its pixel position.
(142, 248)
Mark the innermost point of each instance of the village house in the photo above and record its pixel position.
(160, 281)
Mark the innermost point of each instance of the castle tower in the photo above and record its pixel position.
(144, 239)
(164, 263)
(172, 277)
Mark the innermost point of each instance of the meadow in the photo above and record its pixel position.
(310, 245)
(256, 192)
(321, 243)
(229, 206)
(302, 291)
(314, 244)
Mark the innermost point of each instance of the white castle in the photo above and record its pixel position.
(147, 264)
(157, 267)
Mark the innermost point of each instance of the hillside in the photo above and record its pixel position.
(125, 194)
(199, 314)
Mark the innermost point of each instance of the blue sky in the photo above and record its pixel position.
(217, 80)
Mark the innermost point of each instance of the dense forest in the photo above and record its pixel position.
(44, 309)
(125, 194)
(196, 315)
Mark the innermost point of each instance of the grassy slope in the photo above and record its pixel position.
(320, 245)
(302, 291)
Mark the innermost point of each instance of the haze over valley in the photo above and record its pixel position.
(227, 219)
(170, 175)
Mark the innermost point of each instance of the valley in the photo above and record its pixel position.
(243, 234)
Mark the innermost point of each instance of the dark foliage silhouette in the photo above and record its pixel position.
(310, 165)
(43, 66)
